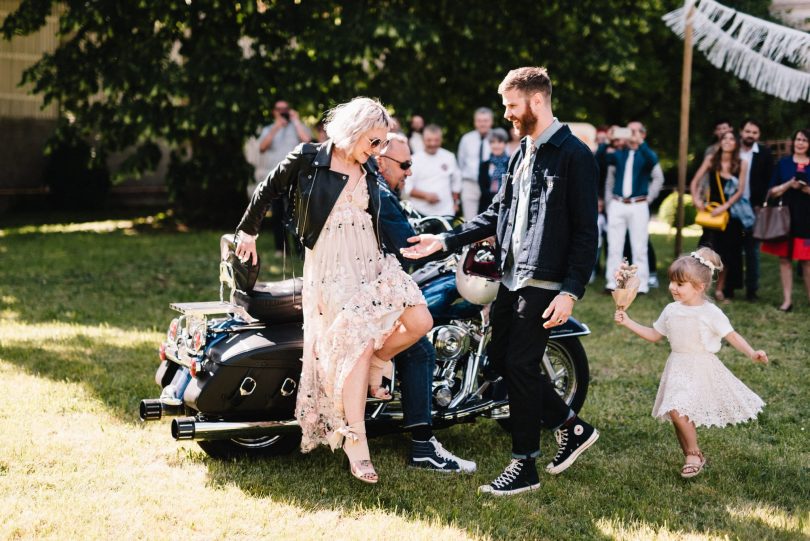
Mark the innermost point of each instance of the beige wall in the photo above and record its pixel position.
(15, 56)
(793, 13)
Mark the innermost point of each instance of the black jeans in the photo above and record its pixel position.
(518, 343)
(751, 249)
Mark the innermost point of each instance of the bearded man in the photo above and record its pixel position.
(544, 219)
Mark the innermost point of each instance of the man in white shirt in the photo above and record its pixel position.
(435, 185)
(473, 149)
(275, 142)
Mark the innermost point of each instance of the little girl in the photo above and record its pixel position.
(696, 388)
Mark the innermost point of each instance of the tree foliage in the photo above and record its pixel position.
(202, 75)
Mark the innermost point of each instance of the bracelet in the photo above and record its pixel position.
(571, 295)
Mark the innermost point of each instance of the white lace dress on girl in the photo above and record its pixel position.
(353, 295)
(695, 382)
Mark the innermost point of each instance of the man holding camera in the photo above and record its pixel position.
(275, 142)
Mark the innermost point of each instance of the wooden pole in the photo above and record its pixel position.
(683, 140)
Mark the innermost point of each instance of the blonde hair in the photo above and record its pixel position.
(696, 268)
(346, 122)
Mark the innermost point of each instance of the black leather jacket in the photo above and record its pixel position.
(304, 176)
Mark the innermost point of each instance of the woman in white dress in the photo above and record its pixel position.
(358, 303)
(696, 389)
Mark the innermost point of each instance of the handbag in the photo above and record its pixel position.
(741, 209)
(704, 217)
(773, 223)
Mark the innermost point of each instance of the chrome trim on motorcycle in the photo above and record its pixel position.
(153, 409)
(189, 428)
(284, 391)
(248, 386)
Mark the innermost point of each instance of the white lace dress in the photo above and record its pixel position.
(695, 382)
(353, 294)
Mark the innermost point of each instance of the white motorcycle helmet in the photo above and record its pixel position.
(477, 274)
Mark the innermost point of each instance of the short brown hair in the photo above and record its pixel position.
(527, 80)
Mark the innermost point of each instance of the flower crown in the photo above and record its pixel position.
(703, 261)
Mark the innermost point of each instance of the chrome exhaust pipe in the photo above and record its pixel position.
(153, 409)
(189, 428)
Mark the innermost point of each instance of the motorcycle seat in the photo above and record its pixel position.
(273, 302)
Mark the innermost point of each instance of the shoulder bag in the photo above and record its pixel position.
(704, 217)
(773, 223)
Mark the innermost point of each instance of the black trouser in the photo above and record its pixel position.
(518, 343)
(751, 249)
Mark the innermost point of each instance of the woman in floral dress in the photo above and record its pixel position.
(358, 303)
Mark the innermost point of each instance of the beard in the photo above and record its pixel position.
(748, 141)
(526, 123)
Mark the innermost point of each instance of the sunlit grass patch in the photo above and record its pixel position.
(105, 226)
(772, 517)
(81, 317)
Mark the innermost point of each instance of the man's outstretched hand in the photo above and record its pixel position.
(425, 245)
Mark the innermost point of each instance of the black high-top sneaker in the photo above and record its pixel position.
(519, 476)
(432, 455)
(572, 438)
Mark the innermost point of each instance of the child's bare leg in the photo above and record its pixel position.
(687, 436)
(687, 433)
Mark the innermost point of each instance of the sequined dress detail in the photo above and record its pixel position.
(353, 295)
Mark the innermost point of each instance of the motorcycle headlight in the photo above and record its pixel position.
(449, 341)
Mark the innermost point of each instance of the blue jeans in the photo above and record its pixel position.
(415, 366)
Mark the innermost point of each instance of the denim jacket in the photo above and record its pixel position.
(395, 229)
(565, 172)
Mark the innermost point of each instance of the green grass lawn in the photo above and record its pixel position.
(83, 308)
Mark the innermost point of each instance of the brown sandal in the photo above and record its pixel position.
(691, 469)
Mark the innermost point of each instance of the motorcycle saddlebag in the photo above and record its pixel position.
(251, 375)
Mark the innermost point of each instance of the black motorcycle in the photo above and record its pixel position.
(229, 369)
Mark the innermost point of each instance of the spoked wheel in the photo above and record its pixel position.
(263, 446)
(570, 375)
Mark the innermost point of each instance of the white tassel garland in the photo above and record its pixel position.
(748, 47)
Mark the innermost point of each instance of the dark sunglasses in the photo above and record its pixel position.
(377, 143)
(402, 165)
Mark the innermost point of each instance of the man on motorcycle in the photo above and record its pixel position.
(416, 363)
(544, 219)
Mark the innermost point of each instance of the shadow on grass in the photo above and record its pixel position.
(602, 498)
(118, 376)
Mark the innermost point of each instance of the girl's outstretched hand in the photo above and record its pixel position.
(620, 317)
(760, 356)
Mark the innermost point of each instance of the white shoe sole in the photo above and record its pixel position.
(487, 489)
(555, 470)
(420, 466)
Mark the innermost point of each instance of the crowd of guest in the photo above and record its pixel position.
(737, 175)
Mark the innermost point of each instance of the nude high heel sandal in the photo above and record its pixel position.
(376, 371)
(355, 445)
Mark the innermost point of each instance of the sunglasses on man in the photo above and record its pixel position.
(402, 165)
